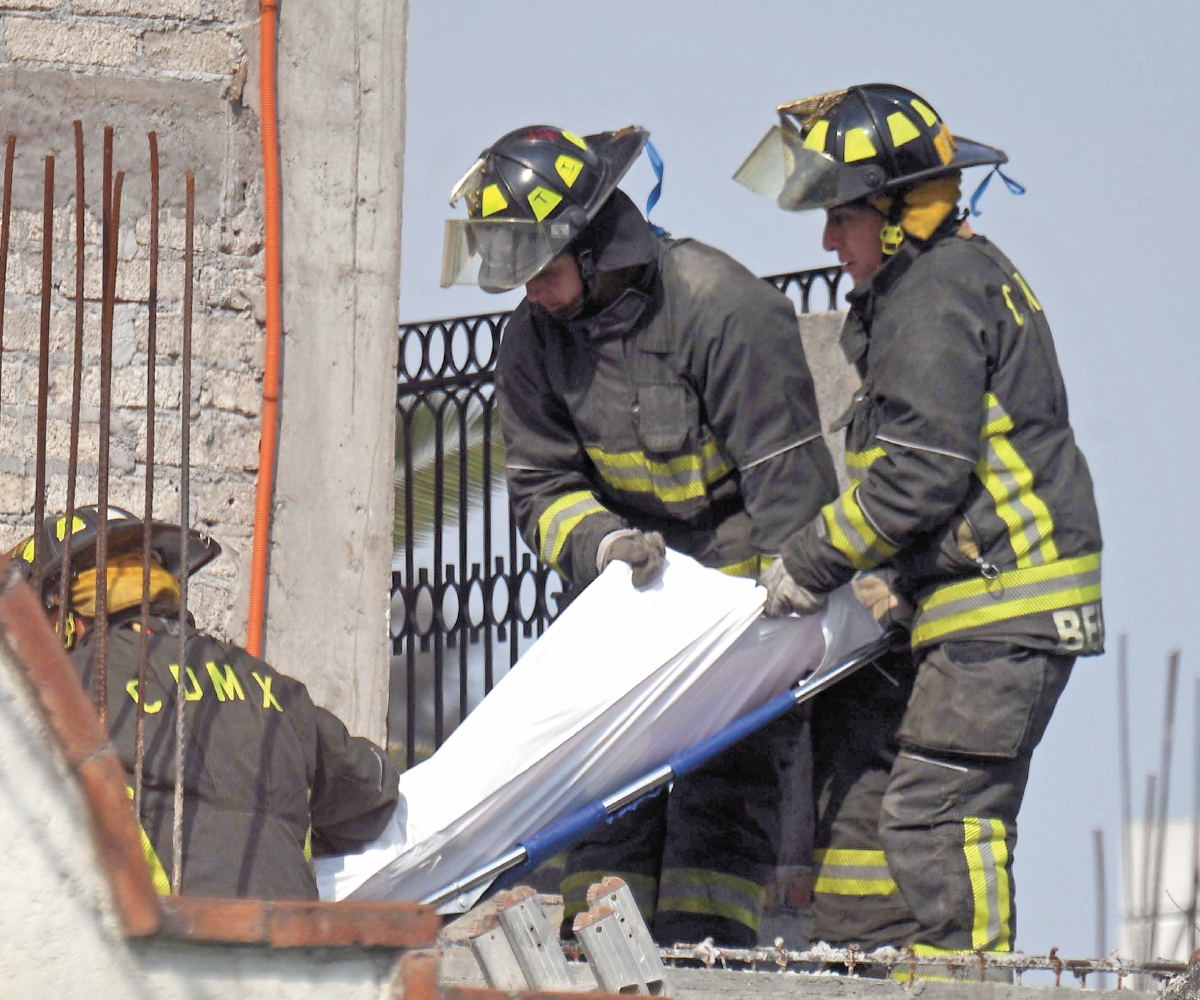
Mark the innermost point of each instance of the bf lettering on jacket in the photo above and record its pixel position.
(224, 684)
(1076, 624)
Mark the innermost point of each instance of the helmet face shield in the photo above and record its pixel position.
(500, 254)
(794, 177)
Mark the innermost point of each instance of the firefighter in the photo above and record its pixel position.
(969, 491)
(269, 777)
(653, 393)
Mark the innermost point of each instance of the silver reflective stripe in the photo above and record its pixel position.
(1028, 520)
(780, 451)
(936, 763)
(563, 521)
(925, 447)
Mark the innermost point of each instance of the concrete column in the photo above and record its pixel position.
(341, 109)
(835, 379)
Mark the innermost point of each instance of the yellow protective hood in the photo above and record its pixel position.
(925, 206)
(124, 585)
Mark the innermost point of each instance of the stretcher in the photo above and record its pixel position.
(625, 691)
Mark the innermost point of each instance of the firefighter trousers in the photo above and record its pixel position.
(919, 783)
(698, 858)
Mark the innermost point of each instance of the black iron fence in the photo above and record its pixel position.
(468, 596)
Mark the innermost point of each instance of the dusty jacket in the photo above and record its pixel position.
(263, 767)
(686, 406)
(965, 471)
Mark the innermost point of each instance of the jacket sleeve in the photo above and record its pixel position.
(926, 385)
(355, 790)
(760, 402)
(557, 509)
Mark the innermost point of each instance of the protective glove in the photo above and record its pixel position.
(645, 551)
(785, 595)
(876, 591)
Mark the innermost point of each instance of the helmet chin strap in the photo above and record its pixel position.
(587, 272)
(892, 234)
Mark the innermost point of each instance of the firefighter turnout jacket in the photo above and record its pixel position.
(965, 474)
(686, 406)
(266, 772)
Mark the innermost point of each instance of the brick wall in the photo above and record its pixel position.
(179, 68)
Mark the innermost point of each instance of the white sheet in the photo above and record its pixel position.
(617, 684)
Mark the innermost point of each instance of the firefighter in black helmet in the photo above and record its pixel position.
(653, 393)
(971, 507)
(268, 776)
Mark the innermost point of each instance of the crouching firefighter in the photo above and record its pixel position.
(652, 393)
(969, 491)
(269, 777)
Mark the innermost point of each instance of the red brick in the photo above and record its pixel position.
(368, 925)
(228, 921)
(417, 978)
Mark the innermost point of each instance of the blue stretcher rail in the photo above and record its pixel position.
(560, 835)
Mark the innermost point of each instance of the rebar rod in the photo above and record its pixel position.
(43, 397)
(1126, 780)
(1147, 828)
(185, 406)
(64, 592)
(1193, 908)
(100, 670)
(1101, 899)
(1164, 796)
(139, 757)
(10, 153)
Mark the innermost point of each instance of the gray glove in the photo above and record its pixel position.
(876, 591)
(785, 595)
(645, 551)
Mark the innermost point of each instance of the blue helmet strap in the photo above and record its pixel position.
(1013, 187)
(652, 199)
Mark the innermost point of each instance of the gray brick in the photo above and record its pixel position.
(79, 42)
(206, 52)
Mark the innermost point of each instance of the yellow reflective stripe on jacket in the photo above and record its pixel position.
(158, 874)
(574, 889)
(986, 848)
(561, 518)
(746, 567)
(852, 535)
(684, 477)
(715, 894)
(1010, 482)
(857, 463)
(969, 604)
(853, 872)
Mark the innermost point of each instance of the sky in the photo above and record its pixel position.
(1095, 104)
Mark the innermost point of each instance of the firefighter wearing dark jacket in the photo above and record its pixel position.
(652, 393)
(269, 777)
(968, 488)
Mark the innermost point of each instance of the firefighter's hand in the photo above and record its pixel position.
(645, 551)
(785, 595)
(877, 593)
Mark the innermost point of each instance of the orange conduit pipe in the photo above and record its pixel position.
(264, 488)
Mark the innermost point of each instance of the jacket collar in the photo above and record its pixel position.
(864, 297)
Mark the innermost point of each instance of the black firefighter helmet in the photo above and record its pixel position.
(528, 196)
(124, 535)
(839, 147)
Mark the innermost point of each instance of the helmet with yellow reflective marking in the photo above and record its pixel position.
(835, 148)
(124, 535)
(528, 196)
